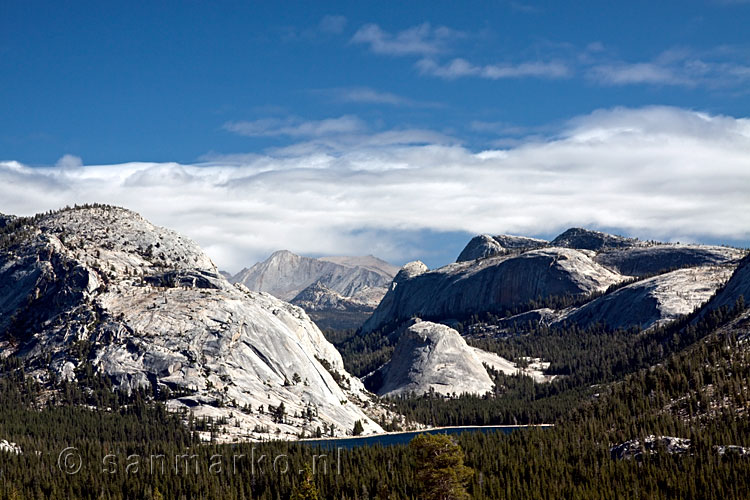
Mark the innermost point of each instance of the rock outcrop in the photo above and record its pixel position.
(636, 449)
(586, 239)
(540, 317)
(653, 301)
(318, 297)
(8, 447)
(737, 288)
(484, 245)
(506, 275)
(147, 308)
(493, 284)
(660, 258)
(431, 357)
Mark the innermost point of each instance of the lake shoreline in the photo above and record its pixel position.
(394, 436)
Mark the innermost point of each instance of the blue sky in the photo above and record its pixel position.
(269, 94)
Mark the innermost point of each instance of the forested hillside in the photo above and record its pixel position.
(699, 392)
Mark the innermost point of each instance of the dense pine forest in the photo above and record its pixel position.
(697, 391)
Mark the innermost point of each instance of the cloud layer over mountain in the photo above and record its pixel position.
(655, 172)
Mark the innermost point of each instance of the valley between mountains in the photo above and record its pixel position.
(517, 330)
(116, 334)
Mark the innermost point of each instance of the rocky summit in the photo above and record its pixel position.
(587, 239)
(496, 284)
(318, 297)
(285, 274)
(337, 292)
(144, 306)
(653, 301)
(431, 357)
(581, 277)
(484, 245)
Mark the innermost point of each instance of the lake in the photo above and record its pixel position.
(395, 438)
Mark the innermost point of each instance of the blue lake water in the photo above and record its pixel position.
(403, 437)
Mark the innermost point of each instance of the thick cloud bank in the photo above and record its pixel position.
(654, 172)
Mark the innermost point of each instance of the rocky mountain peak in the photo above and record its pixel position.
(479, 247)
(492, 284)
(318, 297)
(587, 239)
(154, 312)
(411, 270)
(285, 274)
(283, 255)
(430, 356)
(484, 246)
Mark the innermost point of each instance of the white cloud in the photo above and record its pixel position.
(69, 161)
(367, 95)
(332, 24)
(458, 68)
(634, 73)
(423, 39)
(721, 67)
(652, 172)
(430, 43)
(296, 127)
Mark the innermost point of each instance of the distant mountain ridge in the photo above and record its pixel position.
(502, 273)
(491, 284)
(338, 292)
(285, 274)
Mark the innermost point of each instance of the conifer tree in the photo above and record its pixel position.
(358, 428)
(305, 490)
(441, 473)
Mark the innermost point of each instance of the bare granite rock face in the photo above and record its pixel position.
(653, 301)
(506, 274)
(433, 357)
(736, 289)
(636, 449)
(541, 317)
(648, 260)
(285, 275)
(491, 284)
(484, 245)
(480, 247)
(318, 297)
(587, 239)
(430, 357)
(8, 447)
(154, 312)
